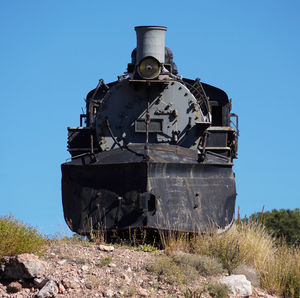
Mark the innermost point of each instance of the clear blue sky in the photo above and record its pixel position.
(53, 52)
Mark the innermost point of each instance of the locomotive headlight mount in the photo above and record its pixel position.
(149, 68)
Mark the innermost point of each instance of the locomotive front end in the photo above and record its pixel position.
(156, 151)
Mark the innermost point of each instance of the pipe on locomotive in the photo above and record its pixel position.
(150, 50)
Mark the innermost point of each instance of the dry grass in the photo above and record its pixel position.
(169, 271)
(183, 268)
(242, 244)
(218, 290)
(145, 248)
(173, 241)
(204, 265)
(250, 244)
(17, 237)
(280, 272)
(213, 289)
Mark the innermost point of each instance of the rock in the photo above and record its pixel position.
(261, 294)
(126, 277)
(69, 284)
(250, 274)
(49, 290)
(21, 266)
(61, 289)
(129, 270)
(106, 248)
(61, 262)
(112, 265)
(40, 282)
(84, 267)
(14, 287)
(108, 293)
(88, 286)
(142, 292)
(238, 284)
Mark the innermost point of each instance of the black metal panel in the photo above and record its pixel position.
(85, 186)
(196, 198)
(214, 93)
(165, 191)
(79, 140)
(155, 125)
(217, 139)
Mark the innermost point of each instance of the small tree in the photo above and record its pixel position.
(283, 224)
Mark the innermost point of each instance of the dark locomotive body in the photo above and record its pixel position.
(156, 150)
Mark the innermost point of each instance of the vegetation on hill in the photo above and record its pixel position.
(284, 224)
(17, 237)
(277, 265)
(245, 243)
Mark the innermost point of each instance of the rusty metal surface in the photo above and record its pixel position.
(155, 153)
(193, 198)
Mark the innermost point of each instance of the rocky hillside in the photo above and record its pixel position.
(90, 270)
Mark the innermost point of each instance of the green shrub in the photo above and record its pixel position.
(168, 270)
(204, 265)
(227, 247)
(194, 293)
(218, 290)
(284, 224)
(17, 237)
(182, 268)
(213, 289)
(104, 262)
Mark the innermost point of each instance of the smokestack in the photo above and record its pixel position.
(150, 42)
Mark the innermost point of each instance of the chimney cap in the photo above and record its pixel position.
(151, 27)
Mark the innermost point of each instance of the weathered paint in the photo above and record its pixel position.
(186, 195)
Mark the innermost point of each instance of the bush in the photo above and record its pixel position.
(168, 270)
(17, 237)
(103, 262)
(278, 265)
(283, 224)
(213, 289)
(204, 265)
(218, 290)
(183, 268)
(242, 244)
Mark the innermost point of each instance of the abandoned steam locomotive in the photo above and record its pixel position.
(153, 150)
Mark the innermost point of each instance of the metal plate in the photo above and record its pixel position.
(155, 125)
